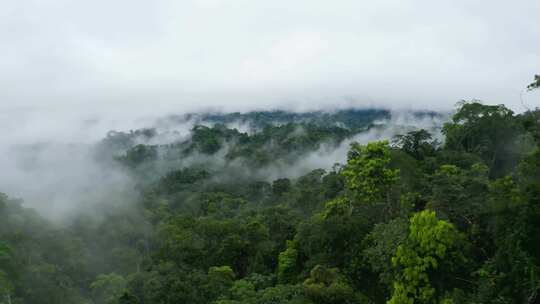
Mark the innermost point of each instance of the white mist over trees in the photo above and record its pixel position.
(59, 171)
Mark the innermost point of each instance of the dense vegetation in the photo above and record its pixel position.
(412, 220)
(354, 119)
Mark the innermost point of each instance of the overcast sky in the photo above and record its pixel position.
(158, 56)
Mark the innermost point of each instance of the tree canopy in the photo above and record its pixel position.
(419, 218)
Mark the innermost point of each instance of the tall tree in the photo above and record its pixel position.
(368, 173)
(489, 131)
(429, 242)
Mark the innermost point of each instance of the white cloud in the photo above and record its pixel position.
(283, 59)
(239, 54)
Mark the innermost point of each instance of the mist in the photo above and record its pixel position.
(71, 72)
(59, 171)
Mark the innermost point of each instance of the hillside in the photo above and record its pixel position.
(355, 206)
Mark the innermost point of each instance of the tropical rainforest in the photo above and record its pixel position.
(427, 216)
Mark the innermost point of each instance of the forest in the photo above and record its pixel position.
(428, 216)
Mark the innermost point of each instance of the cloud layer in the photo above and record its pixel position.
(159, 56)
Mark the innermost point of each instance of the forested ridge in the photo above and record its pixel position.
(413, 219)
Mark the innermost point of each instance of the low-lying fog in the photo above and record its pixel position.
(52, 165)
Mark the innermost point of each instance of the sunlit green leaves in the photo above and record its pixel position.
(427, 243)
(368, 173)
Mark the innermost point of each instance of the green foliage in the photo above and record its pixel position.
(381, 245)
(535, 84)
(178, 180)
(489, 131)
(139, 154)
(327, 286)
(427, 243)
(107, 288)
(355, 119)
(281, 186)
(220, 280)
(288, 263)
(338, 207)
(416, 144)
(214, 219)
(368, 173)
(459, 194)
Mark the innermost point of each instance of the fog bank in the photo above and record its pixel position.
(54, 166)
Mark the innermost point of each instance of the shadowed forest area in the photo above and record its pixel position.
(410, 220)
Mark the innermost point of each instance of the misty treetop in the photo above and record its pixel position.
(414, 219)
(353, 119)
